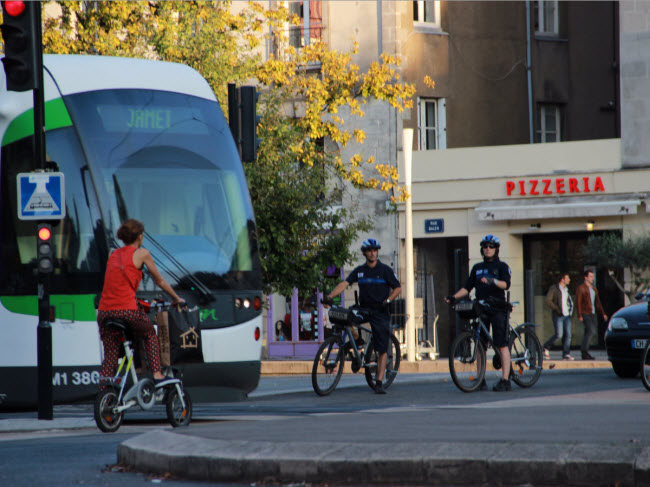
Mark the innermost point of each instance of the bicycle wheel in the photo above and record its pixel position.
(526, 356)
(392, 364)
(106, 418)
(328, 366)
(177, 415)
(467, 362)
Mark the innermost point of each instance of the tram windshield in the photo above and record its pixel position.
(168, 160)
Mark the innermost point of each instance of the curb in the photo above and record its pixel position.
(303, 367)
(511, 463)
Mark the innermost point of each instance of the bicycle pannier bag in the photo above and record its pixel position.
(185, 336)
(465, 309)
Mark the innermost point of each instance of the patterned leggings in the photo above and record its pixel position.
(140, 324)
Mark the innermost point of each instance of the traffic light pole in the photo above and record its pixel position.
(44, 333)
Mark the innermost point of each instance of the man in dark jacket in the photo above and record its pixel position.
(588, 304)
(559, 300)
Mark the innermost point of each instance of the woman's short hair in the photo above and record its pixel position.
(130, 230)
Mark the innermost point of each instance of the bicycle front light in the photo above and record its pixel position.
(617, 323)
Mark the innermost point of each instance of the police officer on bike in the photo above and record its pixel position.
(491, 278)
(378, 286)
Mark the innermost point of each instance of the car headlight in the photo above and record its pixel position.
(617, 323)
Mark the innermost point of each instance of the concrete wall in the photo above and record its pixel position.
(635, 82)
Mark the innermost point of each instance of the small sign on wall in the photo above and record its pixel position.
(434, 226)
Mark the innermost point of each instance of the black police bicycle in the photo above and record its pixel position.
(331, 355)
(467, 356)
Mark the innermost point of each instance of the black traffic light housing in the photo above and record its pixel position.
(44, 248)
(243, 120)
(249, 121)
(19, 24)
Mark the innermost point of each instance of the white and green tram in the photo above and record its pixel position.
(134, 139)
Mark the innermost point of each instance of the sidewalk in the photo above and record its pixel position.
(395, 463)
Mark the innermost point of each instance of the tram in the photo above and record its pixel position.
(134, 139)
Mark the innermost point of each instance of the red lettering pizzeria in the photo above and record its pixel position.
(534, 187)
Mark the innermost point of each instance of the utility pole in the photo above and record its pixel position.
(411, 342)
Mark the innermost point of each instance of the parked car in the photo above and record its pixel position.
(626, 337)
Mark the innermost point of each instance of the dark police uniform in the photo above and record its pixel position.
(494, 269)
(375, 285)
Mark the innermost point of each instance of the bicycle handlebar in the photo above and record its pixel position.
(156, 305)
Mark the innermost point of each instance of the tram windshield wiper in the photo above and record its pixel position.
(198, 285)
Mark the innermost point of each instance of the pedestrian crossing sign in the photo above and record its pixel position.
(41, 196)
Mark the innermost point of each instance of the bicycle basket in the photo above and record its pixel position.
(465, 309)
(339, 316)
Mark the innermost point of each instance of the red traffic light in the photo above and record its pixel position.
(14, 8)
(44, 233)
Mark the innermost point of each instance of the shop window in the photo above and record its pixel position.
(549, 123)
(432, 129)
(547, 17)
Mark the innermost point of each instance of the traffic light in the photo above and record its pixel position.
(249, 120)
(44, 248)
(19, 34)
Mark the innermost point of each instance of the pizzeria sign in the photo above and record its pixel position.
(554, 186)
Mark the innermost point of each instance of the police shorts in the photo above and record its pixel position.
(499, 328)
(380, 324)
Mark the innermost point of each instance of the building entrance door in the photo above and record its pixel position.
(548, 255)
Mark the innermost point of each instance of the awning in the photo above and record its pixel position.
(559, 207)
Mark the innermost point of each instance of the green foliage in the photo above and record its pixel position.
(609, 251)
(301, 229)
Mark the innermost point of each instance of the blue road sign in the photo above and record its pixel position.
(434, 226)
(41, 196)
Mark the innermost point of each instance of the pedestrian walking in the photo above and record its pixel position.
(588, 305)
(559, 301)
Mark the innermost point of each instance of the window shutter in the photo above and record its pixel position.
(442, 123)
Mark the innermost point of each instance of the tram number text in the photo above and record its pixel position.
(85, 378)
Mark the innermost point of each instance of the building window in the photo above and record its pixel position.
(547, 17)
(432, 124)
(548, 123)
(311, 23)
(426, 14)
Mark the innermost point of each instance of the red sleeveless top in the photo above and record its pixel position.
(121, 281)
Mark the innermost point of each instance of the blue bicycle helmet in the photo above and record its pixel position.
(370, 244)
(491, 239)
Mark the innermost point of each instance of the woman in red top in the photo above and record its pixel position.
(123, 276)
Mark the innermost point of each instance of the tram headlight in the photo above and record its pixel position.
(257, 303)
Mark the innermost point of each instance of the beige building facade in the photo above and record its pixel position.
(541, 200)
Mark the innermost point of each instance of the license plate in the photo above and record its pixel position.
(639, 343)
